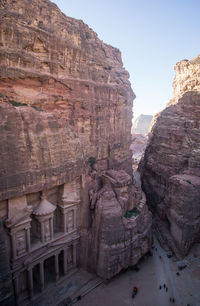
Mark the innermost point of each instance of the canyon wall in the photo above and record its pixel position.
(171, 165)
(57, 65)
(65, 123)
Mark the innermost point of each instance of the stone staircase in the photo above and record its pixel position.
(76, 284)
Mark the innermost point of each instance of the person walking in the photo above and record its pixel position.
(135, 291)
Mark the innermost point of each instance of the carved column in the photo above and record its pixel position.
(30, 282)
(13, 243)
(74, 254)
(16, 284)
(28, 240)
(42, 232)
(65, 261)
(51, 228)
(75, 217)
(42, 276)
(64, 220)
(56, 267)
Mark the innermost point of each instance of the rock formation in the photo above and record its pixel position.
(187, 77)
(141, 124)
(171, 164)
(65, 122)
(120, 232)
(56, 64)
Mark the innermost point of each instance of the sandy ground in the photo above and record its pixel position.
(154, 271)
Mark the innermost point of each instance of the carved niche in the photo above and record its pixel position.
(68, 206)
(21, 242)
(18, 224)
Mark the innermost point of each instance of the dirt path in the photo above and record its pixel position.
(154, 271)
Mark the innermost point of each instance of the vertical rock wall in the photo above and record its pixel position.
(76, 95)
(171, 165)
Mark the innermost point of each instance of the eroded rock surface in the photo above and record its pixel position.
(171, 165)
(120, 232)
(187, 77)
(57, 64)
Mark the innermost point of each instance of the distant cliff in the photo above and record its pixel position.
(141, 124)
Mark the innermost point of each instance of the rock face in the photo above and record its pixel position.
(65, 122)
(141, 124)
(120, 232)
(57, 64)
(187, 77)
(171, 164)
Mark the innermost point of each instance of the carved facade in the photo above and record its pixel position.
(42, 240)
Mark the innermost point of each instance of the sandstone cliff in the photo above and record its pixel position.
(65, 122)
(59, 68)
(171, 165)
(120, 229)
(187, 77)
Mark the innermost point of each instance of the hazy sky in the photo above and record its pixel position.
(152, 35)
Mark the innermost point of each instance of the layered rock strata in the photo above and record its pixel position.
(65, 121)
(56, 64)
(171, 164)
